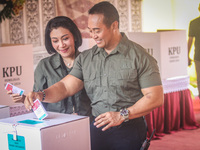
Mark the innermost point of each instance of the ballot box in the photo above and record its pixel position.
(16, 67)
(56, 132)
(169, 48)
(4, 111)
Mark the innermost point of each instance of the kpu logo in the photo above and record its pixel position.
(10, 71)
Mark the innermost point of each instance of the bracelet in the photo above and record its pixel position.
(44, 95)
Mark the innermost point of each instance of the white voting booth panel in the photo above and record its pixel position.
(56, 132)
(87, 44)
(169, 48)
(16, 67)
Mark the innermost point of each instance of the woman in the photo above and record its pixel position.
(62, 39)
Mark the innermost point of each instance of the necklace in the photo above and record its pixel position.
(68, 64)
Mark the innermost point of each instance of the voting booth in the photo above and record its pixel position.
(56, 132)
(87, 44)
(16, 67)
(169, 48)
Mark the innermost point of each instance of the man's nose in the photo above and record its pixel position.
(93, 35)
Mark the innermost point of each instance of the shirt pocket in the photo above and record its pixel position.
(125, 76)
(91, 81)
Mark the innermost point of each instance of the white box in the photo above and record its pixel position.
(4, 111)
(56, 132)
(169, 48)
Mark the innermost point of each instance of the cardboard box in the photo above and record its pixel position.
(4, 111)
(56, 132)
(169, 48)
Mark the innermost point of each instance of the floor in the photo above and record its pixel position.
(180, 140)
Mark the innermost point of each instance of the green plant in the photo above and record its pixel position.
(10, 8)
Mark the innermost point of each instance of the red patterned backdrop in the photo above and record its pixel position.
(77, 10)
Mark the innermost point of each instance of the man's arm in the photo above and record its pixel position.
(153, 98)
(68, 86)
(190, 41)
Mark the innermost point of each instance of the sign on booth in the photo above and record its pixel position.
(16, 67)
(169, 48)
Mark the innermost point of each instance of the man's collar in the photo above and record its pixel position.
(122, 47)
(98, 49)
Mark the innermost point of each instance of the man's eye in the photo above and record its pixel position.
(97, 31)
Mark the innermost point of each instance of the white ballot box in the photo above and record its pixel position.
(169, 48)
(16, 67)
(4, 111)
(56, 132)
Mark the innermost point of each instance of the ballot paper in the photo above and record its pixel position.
(14, 89)
(39, 110)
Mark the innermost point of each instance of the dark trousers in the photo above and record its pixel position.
(127, 136)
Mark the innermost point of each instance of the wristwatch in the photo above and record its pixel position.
(125, 114)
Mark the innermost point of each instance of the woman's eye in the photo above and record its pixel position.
(55, 41)
(65, 38)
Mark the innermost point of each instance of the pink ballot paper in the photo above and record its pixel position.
(39, 110)
(14, 89)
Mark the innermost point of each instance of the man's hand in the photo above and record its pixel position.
(30, 98)
(109, 119)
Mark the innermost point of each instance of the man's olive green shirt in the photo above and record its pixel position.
(115, 81)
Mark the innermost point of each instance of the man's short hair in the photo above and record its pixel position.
(108, 10)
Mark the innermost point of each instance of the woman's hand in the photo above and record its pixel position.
(17, 98)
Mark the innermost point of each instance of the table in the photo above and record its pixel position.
(177, 112)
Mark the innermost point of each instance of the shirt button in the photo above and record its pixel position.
(106, 106)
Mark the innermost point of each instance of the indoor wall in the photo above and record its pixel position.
(29, 26)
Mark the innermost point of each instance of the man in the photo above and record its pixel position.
(194, 34)
(120, 78)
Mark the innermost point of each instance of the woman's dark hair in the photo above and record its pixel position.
(108, 10)
(67, 23)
